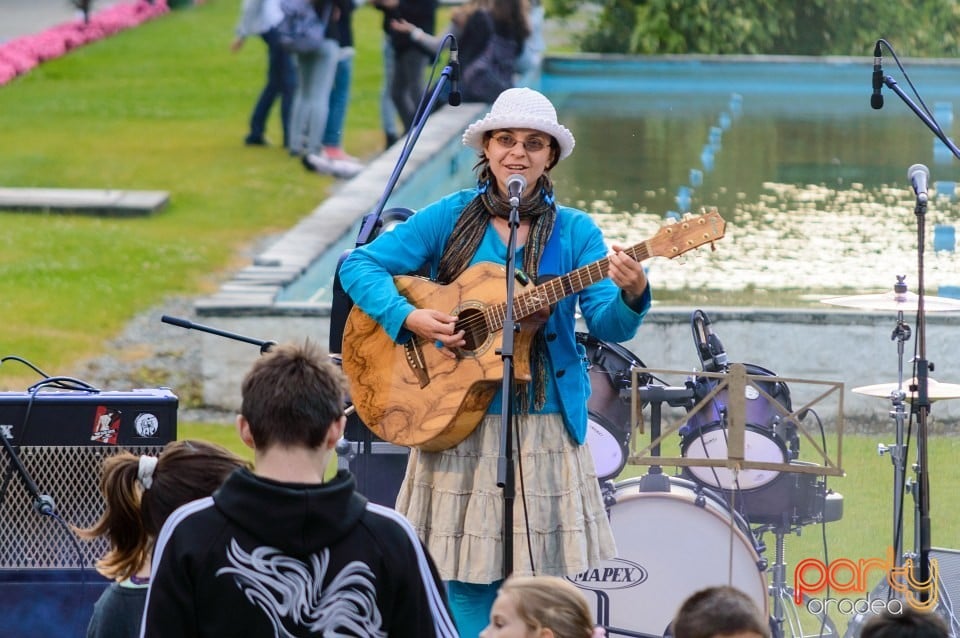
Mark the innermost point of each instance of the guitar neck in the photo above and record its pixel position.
(550, 292)
(670, 241)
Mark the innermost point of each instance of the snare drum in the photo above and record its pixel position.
(608, 425)
(670, 545)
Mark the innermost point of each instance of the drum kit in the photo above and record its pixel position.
(678, 534)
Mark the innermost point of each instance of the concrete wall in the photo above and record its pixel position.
(848, 347)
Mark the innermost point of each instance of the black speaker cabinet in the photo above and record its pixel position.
(948, 591)
(61, 439)
(377, 466)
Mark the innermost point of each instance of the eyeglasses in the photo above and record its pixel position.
(531, 144)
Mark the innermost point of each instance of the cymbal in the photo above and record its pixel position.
(936, 391)
(906, 301)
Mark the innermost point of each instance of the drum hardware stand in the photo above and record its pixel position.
(656, 395)
(784, 609)
(901, 334)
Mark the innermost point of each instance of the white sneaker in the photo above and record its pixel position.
(344, 168)
(319, 163)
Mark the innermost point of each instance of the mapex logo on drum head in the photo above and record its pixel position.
(616, 573)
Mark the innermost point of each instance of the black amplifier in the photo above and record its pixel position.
(81, 418)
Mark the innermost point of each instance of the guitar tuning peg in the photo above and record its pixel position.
(713, 246)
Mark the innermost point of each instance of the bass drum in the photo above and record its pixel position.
(766, 436)
(670, 545)
(608, 425)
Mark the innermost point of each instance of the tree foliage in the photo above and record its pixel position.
(924, 28)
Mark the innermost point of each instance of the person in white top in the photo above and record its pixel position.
(261, 17)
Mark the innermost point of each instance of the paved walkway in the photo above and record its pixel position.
(23, 17)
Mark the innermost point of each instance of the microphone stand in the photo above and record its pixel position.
(922, 407)
(189, 325)
(506, 478)
(372, 221)
(655, 480)
(42, 503)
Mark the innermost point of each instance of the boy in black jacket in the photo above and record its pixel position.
(282, 552)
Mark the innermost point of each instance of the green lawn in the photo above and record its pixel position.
(164, 107)
(160, 107)
(866, 528)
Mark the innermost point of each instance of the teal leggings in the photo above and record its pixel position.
(471, 604)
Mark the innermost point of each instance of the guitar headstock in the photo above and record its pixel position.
(686, 234)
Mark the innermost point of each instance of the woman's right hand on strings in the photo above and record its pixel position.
(438, 327)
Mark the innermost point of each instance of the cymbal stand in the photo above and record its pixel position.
(898, 450)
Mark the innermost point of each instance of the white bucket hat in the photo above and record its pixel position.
(521, 108)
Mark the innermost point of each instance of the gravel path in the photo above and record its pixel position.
(153, 354)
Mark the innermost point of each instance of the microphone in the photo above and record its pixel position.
(454, 98)
(918, 174)
(516, 184)
(712, 354)
(876, 100)
(718, 360)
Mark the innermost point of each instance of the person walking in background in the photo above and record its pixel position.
(718, 612)
(534, 46)
(140, 492)
(538, 607)
(344, 165)
(261, 17)
(388, 111)
(490, 35)
(282, 550)
(451, 496)
(410, 60)
(310, 31)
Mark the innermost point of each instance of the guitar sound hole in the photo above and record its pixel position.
(471, 321)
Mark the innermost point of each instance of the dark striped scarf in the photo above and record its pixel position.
(466, 237)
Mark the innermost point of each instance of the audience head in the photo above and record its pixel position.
(291, 396)
(908, 623)
(720, 612)
(540, 607)
(140, 492)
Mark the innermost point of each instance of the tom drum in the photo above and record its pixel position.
(608, 425)
(766, 436)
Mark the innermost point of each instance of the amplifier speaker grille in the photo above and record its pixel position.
(71, 476)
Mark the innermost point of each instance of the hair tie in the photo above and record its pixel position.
(145, 471)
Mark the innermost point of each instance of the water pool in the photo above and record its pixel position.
(810, 179)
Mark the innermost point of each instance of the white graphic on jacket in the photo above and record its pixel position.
(291, 593)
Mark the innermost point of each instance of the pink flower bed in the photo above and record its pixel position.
(19, 55)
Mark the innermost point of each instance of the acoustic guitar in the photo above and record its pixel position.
(411, 395)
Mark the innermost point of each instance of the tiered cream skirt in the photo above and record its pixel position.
(453, 501)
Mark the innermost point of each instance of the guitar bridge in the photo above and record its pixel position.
(414, 355)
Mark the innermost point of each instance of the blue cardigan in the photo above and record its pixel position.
(367, 276)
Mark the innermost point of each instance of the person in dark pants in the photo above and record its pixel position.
(261, 17)
(410, 60)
